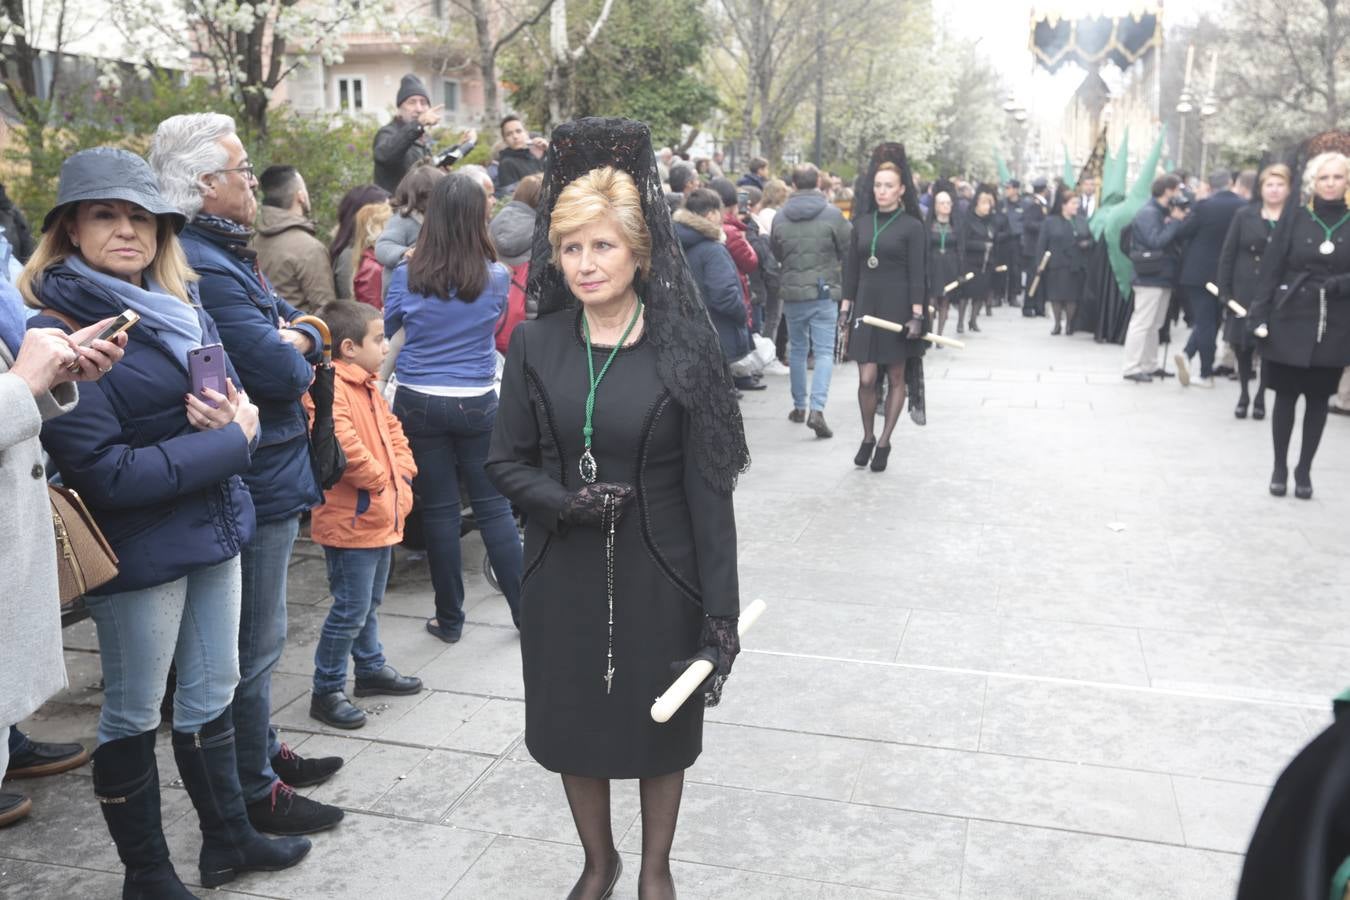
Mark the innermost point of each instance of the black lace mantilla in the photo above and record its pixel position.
(865, 202)
(689, 357)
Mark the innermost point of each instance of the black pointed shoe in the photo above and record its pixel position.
(1240, 411)
(1302, 485)
(336, 710)
(864, 454)
(880, 458)
(299, 772)
(1279, 482)
(387, 681)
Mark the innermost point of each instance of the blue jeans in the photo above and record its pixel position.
(450, 438)
(356, 577)
(191, 622)
(811, 325)
(1205, 318)
(262, 637)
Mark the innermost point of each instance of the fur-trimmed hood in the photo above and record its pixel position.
(703, 228)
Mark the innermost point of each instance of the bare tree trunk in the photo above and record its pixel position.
(563, 59)
(487, 62)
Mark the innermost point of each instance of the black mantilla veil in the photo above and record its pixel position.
(865, 200)
(689, 356)
(942, 184)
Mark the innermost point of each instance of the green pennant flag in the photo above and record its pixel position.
(1122, 214)
(1070, 176)
(1113, 185)
(1004, 176)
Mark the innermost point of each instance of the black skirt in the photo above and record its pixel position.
(1315, 381)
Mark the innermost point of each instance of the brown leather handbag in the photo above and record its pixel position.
(84, 558)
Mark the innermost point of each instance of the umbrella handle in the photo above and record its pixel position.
(324, 334)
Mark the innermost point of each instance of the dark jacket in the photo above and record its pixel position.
(16, 228)
(1033, 214)
(809, 239)
(168, 497)
(1205, 228)
(718, 281)
(245, 310)
(398, 147)
(1240, 261)
(749, 180)
(1155, 231)
(514, 165)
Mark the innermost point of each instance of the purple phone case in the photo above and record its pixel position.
(206, 369)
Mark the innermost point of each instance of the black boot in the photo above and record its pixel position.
(230, 844)
(126, 782)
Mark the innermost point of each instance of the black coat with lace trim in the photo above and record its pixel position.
(675, 553)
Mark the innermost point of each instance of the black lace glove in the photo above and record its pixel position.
(719, 644)
(587, 506)
(914, 328)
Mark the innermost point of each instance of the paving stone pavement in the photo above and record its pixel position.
(1061, 649)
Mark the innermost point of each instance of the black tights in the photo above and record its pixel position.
(589, 800)
(1245, 374)
(1282, 429)
(867, 399)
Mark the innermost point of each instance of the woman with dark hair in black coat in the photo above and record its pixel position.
(1239, 274)
(1303, 311)
(978, 234)
(1065, 235)
(944, 256)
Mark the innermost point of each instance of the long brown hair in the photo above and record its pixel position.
(453, 248)
(412, 192)
(169, 268)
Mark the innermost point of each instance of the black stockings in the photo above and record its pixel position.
(1282, 429)
(660, 812)
(1246, 365)
(943, 307)
(589, 800)
(1064, 312)
(867, 399)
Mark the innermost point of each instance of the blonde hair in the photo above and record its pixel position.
(601, 191)
(370, 221)
(1276, 170)
(169, 268)
(775, 192)
(1315, 165)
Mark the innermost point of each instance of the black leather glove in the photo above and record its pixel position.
(587, 506)
(719, 644)
(914, 328)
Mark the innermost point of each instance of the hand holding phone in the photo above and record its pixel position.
(206, 371)
(123, 322)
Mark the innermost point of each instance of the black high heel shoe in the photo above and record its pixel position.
(879, 459)
(1302, 485)
(864, 453)
(1241, 410)
(1279, 482)
(1258, 411)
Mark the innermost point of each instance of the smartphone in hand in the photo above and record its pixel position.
(206, 370)
(123, 322)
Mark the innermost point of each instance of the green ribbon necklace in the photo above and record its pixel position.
(589, 470)
(1327, 247)
(872, 261)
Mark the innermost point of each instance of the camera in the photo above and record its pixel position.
(1180, 200)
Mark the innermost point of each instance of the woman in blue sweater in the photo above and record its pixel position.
(448, 299)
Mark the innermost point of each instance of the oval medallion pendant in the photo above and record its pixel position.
(1326, 248)
(588, 468)
(873, 262)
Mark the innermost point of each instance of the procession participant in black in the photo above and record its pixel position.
(1304, 305)
(1239, 272)
(944, 256)
(1033, 214)
(884, 277)
(978, 236)
(617, 434)
(1010, 246)
(1065, 235)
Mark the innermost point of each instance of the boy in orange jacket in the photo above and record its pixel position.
(360, 520)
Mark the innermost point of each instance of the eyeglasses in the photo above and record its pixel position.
(246, 171)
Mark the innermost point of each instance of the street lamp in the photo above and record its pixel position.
(1185, 105)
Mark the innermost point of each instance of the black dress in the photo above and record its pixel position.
(1309, 340)
(889, 291)
(667, 574)
(944, 259)
(1239, 270)
(1070, 243)
(978, 237)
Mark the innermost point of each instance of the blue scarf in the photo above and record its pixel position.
(173, 321)
(13, 317)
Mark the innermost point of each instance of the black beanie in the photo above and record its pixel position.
(411, 86)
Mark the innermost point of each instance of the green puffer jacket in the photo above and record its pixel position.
(809, 238)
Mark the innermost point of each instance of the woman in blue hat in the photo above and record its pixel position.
(159, 467)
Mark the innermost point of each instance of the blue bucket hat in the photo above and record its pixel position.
(108, 173)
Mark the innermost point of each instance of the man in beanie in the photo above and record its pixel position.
(404, 142)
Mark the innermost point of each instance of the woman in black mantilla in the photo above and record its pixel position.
(944, 255)
(884, 277)
(1239, 275)
(978, 235)
(1304, 303)
(617, 432)
(1065, 235)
